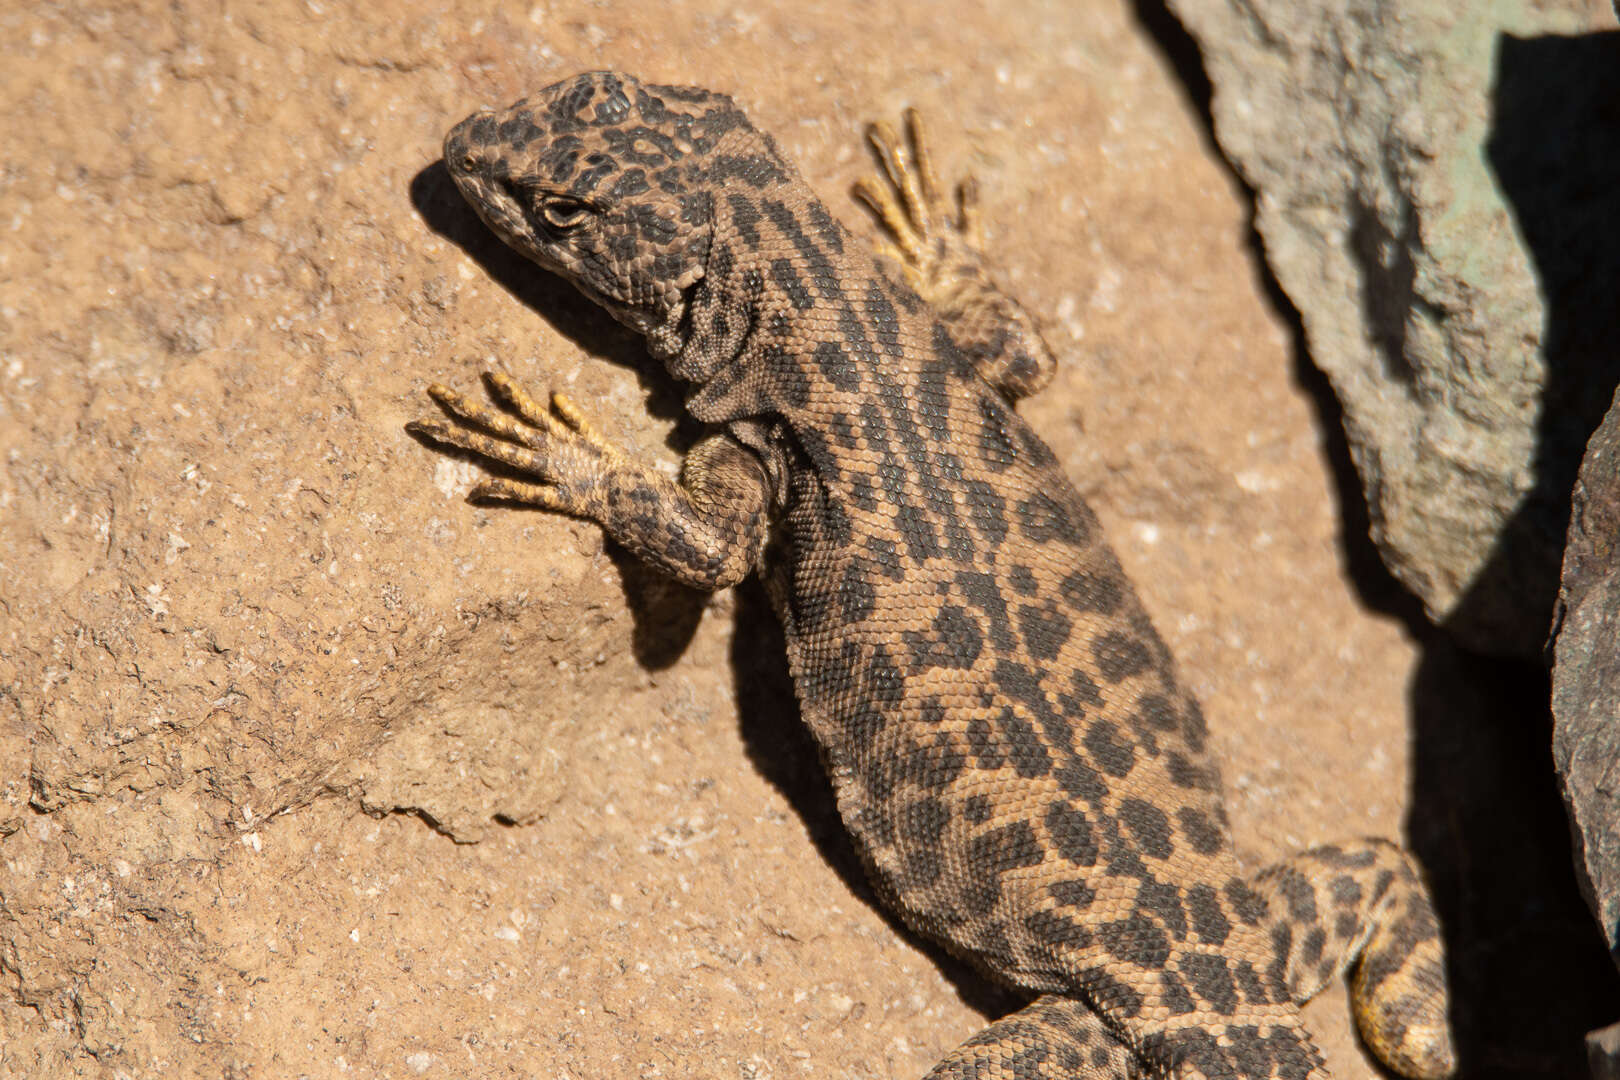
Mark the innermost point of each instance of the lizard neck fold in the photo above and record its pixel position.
(720, 328)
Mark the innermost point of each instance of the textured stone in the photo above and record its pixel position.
(1586, 677)
(1435, 193)
(1603, 1053)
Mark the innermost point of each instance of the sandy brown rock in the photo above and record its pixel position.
(262, 667)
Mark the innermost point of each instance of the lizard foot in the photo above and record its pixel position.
(1363, 905)
(926, 239)
(556, 445)
(940, 250)
(707, 531)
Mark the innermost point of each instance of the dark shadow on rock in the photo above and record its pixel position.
(1555, 149)
(1586, 685)
(1528, 966)
(1487, 818)
(1181, 53)
(781, 748)
(665, 614)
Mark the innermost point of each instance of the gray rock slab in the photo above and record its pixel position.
(1435, 189)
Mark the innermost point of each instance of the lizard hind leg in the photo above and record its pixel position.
(1364, 903)
(1052, 1038)
(941, 252)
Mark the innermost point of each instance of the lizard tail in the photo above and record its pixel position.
(1052, 1038)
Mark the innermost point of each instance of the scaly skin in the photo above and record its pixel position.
(1009, 743)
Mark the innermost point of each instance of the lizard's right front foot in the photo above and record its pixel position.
(556, 446)
(941, 252)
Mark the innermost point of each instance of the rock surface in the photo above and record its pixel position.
(1603, 1053)
(309, 767)
(1586, 677)
(1434, 187)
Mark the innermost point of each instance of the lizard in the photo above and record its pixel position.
(1024, 773)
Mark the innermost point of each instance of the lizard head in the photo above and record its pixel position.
(609, 183)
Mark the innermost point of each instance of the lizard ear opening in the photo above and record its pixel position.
(561, 212)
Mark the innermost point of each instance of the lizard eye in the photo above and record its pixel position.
(562, 212)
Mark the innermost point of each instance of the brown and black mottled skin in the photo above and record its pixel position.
(1009, 742)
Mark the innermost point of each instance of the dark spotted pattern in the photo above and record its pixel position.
(1010, 745)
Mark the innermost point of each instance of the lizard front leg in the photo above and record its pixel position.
(707, 531)
(941, 252)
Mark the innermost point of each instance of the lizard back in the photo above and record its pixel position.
(1003, 726)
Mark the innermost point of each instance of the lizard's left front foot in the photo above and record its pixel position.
(941, 252)
(557, 446)
(707, 531)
